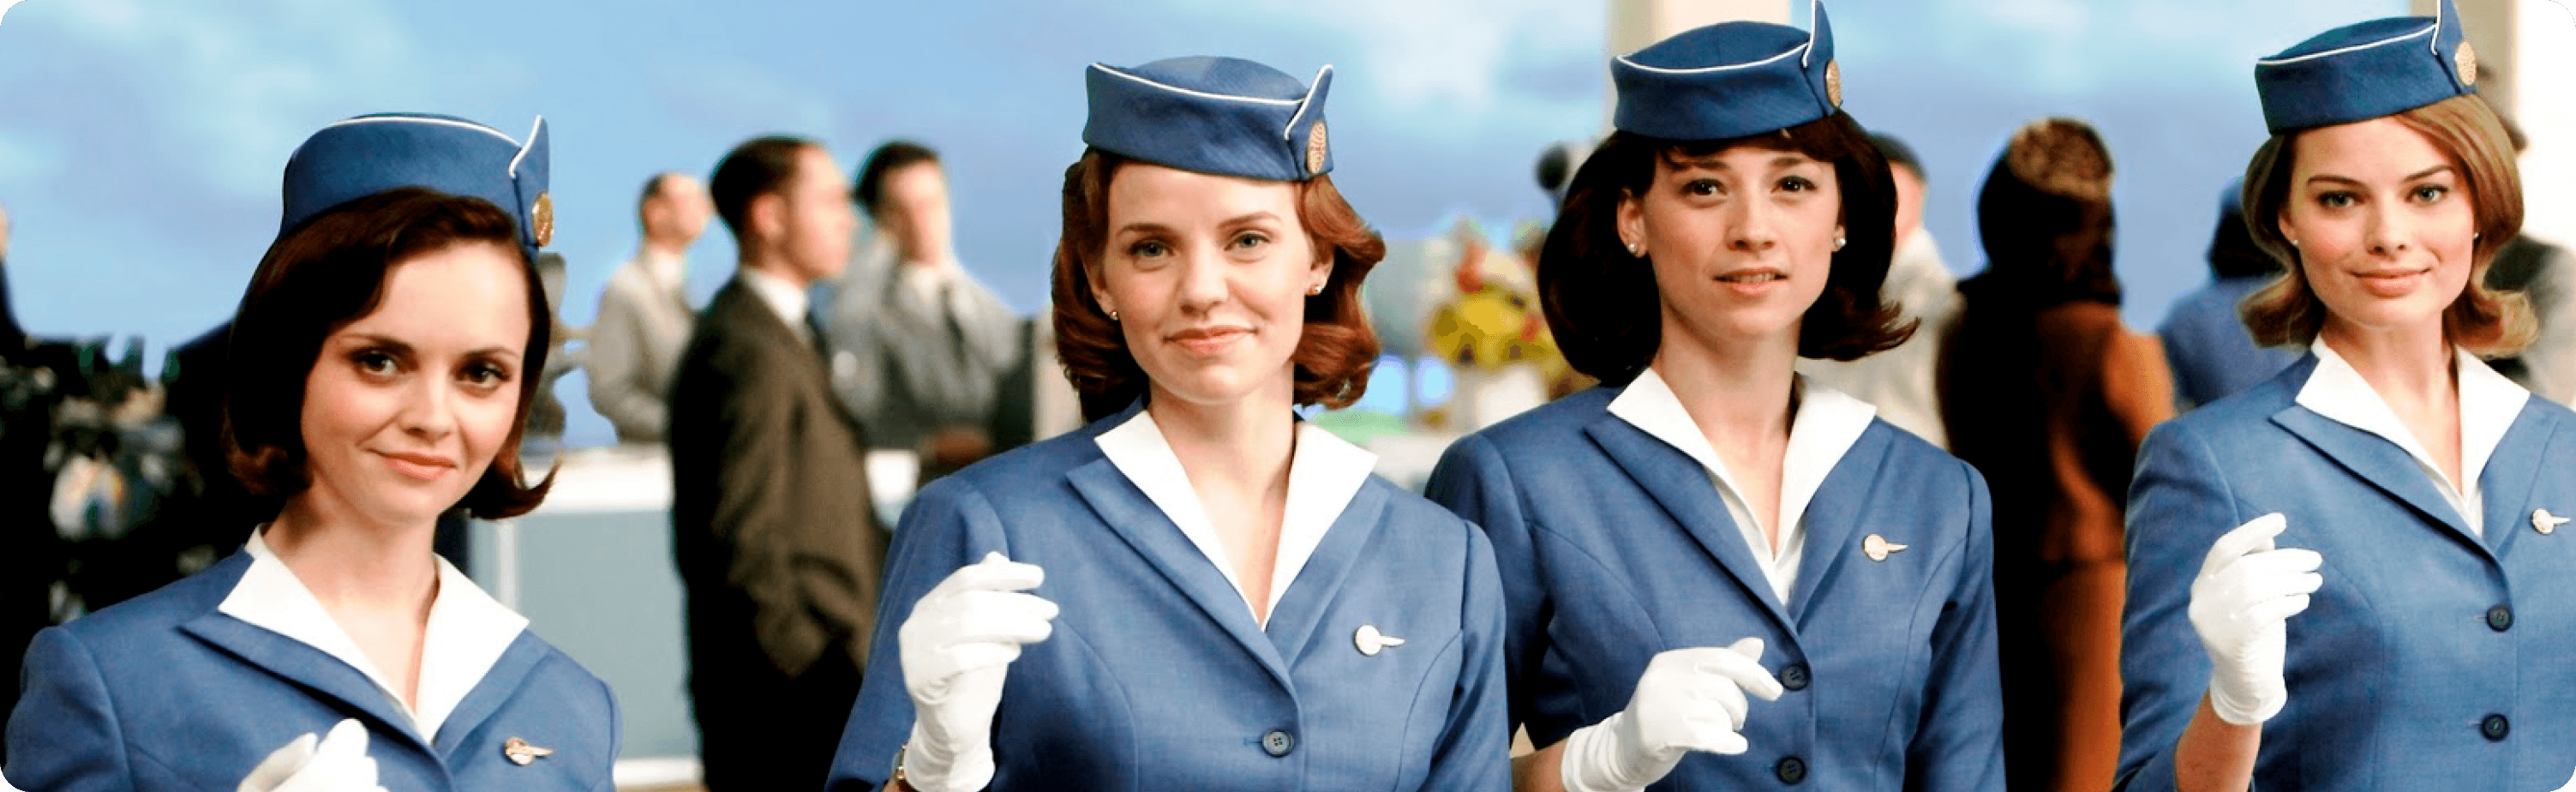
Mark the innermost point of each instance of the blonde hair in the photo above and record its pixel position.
(2487, 323)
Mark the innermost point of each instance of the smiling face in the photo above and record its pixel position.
(1209, 277)
(2383, 223)
(1741, 241)
(407, 405)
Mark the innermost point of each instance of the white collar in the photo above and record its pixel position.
(786, 299)
(1827, 424)
(2488, 405)
(468, 630)
(666, 270)
(1919, 251)
(1324, 473)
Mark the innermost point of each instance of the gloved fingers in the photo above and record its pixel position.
(1001, 613)
(994, 573)
(1724, 694)
(967, 657)
(2284, 561)
(1743, 670)
(347, 738)
(281, 764)
(2252, 537)
(1714, 738)
(1749, 646)
(2278, 610)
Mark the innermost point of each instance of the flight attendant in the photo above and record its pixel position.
(378, 370)
(2353, 576)
(1199, 590)
(1708, 528)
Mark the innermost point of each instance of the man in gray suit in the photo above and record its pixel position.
(644, 314)
(921, 348)
(772, 528)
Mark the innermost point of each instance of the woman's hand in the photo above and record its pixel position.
(338, 763)
(957, 646)
(2241, 604)
(1688, 700)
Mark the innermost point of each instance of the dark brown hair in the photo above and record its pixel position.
(893, 156)
(326, 274)
(1602, 303)
(760, 166)
(2485, 322)
(1335, 351)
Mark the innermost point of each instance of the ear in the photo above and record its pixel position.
(1091, 274)
(768, 215)
(1632, 219)
(2281, 222)
(1322, 270)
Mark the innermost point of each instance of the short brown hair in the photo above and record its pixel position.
(1602, 303)
(2487, 323)
(1334, 353)
(320, 277)
(760, 166)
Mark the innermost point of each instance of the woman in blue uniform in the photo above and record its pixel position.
(377, 380)
(1707, 526)
(2353, 575)
(1200, 591)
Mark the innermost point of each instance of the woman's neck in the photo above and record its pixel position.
(1738, 393)
(350, 562)
(2413, 363)
(1243, 445)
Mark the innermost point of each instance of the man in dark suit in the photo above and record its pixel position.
(772, 527)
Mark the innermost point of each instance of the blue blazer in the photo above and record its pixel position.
(2431, 660)
(164, 692)
(1615, 546)
(1157, 677)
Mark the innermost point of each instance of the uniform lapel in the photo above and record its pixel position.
(495, 689)
(1836, 512)
(2511, 474)
(1682, 487)
(306, 667)
(1297, 615)
(1127, 511)
(2381, 463)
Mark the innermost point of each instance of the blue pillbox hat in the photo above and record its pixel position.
(1729, 80)
(2367, 70)
(1225, 116)
(370, 154)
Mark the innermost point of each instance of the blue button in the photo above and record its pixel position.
(1278, 742)
(2500, 618)
(1790, 770)
(2495, 727)
(1794, 677)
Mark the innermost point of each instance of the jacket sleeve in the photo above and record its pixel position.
(2178, 506)
(1473, 482)
(804, 597)
(621, 388)
(949, 525)
(64, 736)
(1958, 746)
(1475, 752)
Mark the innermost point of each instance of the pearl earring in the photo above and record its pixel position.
(1318, 289)
(1113, 314)
(1636, 250)
(1840, 241)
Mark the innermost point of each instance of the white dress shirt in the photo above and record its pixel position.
(2488, 405)
(786, 299)
(1828, 422)
(468, 631)
(1324, 473)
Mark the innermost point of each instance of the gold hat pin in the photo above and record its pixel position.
(2546, 523)
(1878, 548)
(1371, 642)
(519, 752)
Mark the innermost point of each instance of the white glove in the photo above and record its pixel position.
(2241, 604)
(1688, 700)
(338, 764)
(957, 646)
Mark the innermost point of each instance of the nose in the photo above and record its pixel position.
(2387, 231)
(1751, 227)
(428, 409)
(1204, 286)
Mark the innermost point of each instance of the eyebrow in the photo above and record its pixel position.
(1150, 228)
(2426, 173)
(401, 347)
(1712, 162)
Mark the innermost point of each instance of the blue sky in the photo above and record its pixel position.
(141, 140)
